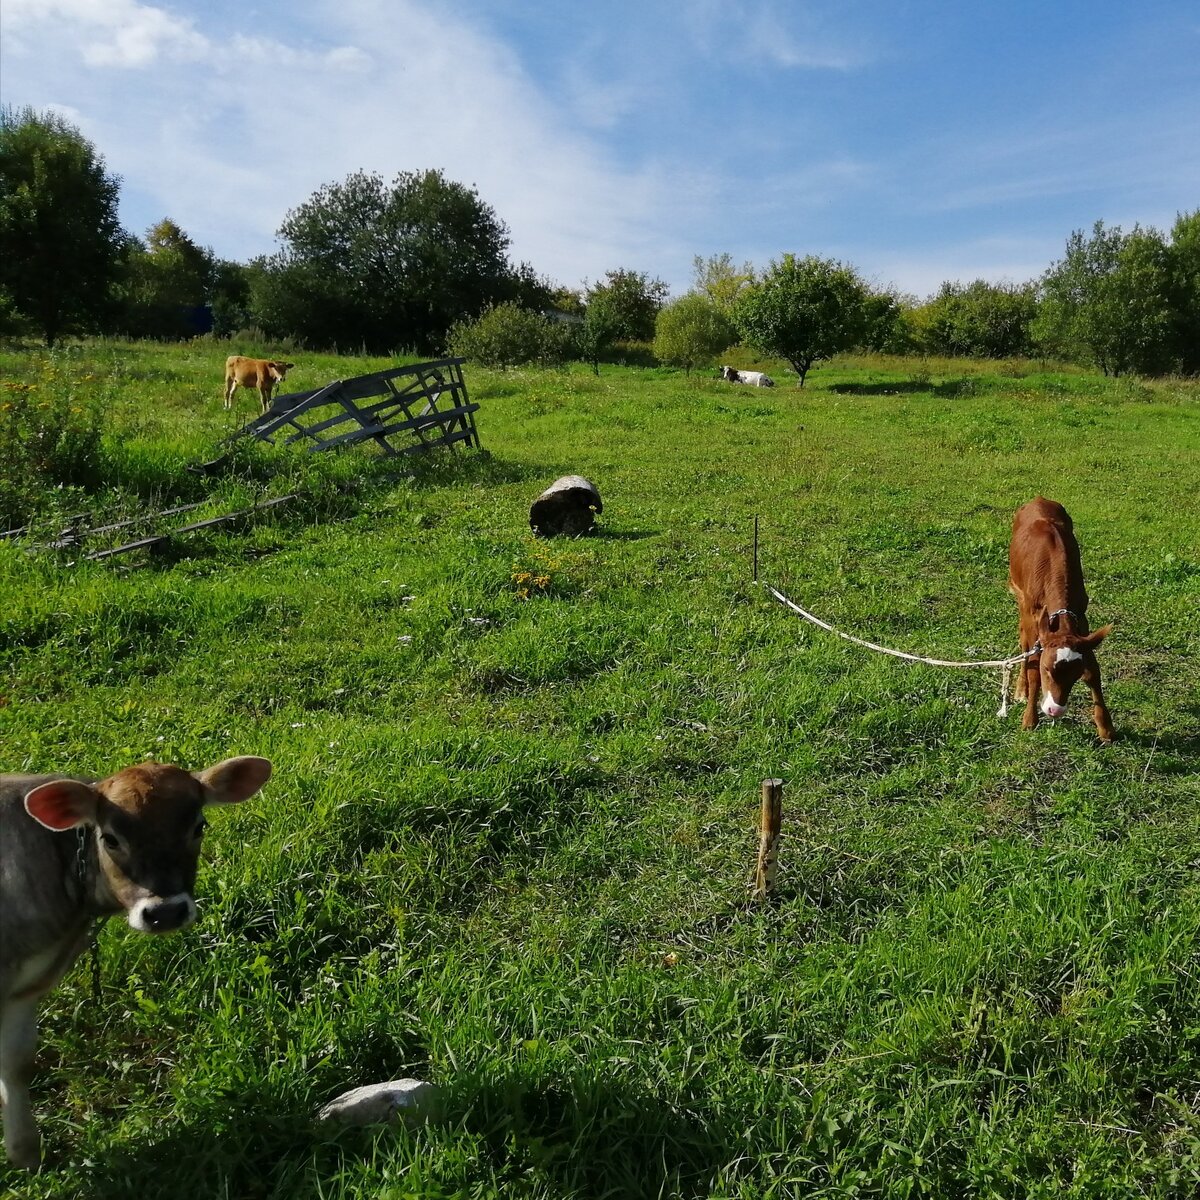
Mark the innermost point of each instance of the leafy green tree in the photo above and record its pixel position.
(229, 297)
(165, 280)
(980, 319)
(692, 331)
(1185, 265)
(601, 327)
(60, 240)
(568, 301)
(1112, 300)
(803, 310)
(630, 301)
(887, 325)
(718, 279)
(367, 264)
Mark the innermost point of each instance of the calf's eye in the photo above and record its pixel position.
(201, 826)
(110, 842)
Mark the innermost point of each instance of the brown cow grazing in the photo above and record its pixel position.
(1046, 576)
(259, 373)
(135, 847)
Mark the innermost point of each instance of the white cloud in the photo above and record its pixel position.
(110, 33)
(752, 33)
(226, 143)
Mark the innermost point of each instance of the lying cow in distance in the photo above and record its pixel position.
(753, 378)
(135, 849)
(259, 373)
(1046, 576)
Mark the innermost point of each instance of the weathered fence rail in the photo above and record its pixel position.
(415, 408)
(422, 405)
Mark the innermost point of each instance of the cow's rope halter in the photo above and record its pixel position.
(84, 837)
(1006, 664)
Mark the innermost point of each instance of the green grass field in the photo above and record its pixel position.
(514, 812)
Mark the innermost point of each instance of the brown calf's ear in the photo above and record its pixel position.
(1044, 625)
(1094, 638)
(235, 779)
(62, 804)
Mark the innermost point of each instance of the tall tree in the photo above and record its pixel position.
(720, 280)
(60, 240)
(1185, 265)
(1112, 300)
(365, 263)
(630, 300)
(803, 310)
(166, 281)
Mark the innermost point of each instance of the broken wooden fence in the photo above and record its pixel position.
(422, 406)
(74, 535)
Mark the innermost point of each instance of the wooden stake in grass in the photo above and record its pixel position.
(768, 841)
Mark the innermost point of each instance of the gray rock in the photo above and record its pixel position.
(399, 1100)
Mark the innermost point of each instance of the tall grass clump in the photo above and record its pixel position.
(50, 439)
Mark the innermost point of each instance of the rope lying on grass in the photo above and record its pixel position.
(1006, 664)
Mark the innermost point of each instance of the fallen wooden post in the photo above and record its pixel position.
(768, 840)
(567, 507)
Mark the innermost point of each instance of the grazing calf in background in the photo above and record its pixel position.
(135, 846)
(1046, 576)
(753, 378)
(259, 373)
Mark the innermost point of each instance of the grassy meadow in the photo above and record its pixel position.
(514, 811)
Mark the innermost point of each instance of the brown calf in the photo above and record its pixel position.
(1046, 576)
(72, 851)
(259, 373)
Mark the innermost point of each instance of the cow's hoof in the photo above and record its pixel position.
(25, 1152)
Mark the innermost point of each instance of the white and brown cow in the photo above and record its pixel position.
(73, 851)
(262, 374)
(1046, 576)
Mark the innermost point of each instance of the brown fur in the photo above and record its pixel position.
(261, 374)
(73, 851)
(1045, 574)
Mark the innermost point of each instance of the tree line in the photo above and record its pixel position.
(422, 264)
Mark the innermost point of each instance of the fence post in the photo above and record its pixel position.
(768, 840)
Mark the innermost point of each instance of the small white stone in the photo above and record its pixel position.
(382, 1103)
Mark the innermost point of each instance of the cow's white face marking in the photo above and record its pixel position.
(1051, 709)
(1066, 654)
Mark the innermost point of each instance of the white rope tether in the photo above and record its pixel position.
(1006, 664)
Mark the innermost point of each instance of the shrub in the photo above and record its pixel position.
(48, 439)
(691, 332)
(507, 335)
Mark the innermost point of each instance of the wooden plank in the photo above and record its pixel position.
(97, 555)
(159, 539)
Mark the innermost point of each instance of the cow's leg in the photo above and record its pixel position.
(264, 397)
(18, 1041)
(1091, 676)
(1033, 681)
(230, 388)
(1028, 641)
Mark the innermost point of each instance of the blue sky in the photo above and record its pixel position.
(918, 140)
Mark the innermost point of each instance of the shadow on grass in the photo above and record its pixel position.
(1183, 748)
(623, 535)
(908, 387)
(587, 1137)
